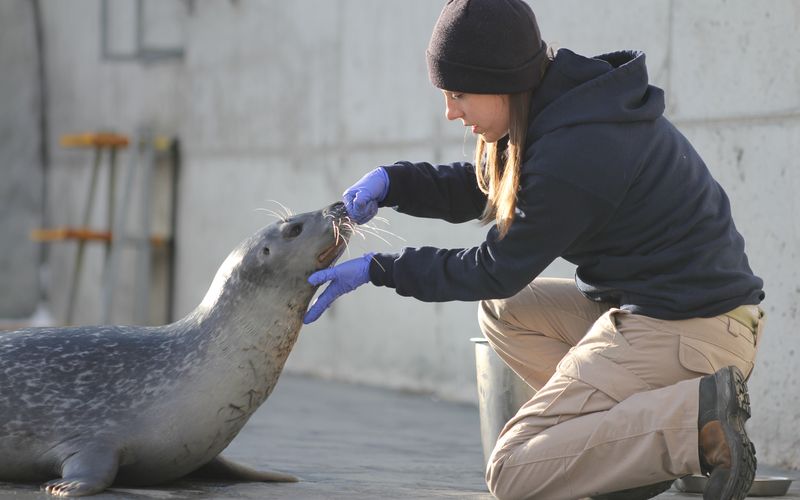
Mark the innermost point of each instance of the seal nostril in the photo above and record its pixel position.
(265, 250)
(336, 210)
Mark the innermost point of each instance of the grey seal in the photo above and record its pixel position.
(93, 406)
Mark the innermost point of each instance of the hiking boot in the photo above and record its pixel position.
(726, 454)
(640, 493)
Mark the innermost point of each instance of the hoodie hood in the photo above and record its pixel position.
(610, 88)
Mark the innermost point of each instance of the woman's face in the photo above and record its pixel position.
(486, 114)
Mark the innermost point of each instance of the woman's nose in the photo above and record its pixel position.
(452, 112)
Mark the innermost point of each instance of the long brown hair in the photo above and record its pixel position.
(498, 169)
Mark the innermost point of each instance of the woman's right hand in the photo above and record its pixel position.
(362, 198)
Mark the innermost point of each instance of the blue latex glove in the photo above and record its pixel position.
(344, 278)
(361, 199)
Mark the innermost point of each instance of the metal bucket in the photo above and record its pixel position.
(501, 392)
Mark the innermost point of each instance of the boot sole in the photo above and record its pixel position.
(733, 406)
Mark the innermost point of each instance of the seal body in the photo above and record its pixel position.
(96, 405)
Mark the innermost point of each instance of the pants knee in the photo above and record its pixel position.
(490, 318)
(499, 482)
(485, 313)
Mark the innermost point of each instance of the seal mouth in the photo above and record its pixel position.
(342, 233)
(332, 252)
(342, 228)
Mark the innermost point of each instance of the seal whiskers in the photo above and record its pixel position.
(272, 213)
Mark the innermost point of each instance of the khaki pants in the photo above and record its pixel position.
(617, 393)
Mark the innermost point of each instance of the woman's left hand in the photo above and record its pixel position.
(362, 198)
(344, 278)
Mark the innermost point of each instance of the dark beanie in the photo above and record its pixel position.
(486, 47)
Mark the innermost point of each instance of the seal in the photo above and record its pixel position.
(93, 406)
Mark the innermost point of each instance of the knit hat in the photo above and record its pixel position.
(486, 47)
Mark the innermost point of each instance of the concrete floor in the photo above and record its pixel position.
(349, 442)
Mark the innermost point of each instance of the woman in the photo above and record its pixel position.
(639, 364)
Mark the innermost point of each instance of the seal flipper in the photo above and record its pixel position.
(85, 472)
(222, 469)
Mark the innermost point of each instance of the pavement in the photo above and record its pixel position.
(350, 442)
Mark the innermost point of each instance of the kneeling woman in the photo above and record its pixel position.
(639, 364)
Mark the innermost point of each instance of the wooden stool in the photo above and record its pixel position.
(98, 141)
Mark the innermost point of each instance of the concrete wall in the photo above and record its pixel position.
(293, 101)
(21, 175)
(89, 91)
(735, 88)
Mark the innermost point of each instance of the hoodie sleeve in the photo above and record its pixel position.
(552, 214)
(448, 192)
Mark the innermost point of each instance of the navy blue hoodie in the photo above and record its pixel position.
(607, 183)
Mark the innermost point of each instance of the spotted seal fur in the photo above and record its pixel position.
(93, 406)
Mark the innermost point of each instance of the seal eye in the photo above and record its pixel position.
(294, 230)
(265, 250)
